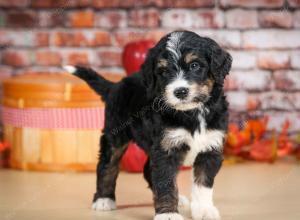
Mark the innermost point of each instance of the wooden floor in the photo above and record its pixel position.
(242, 192)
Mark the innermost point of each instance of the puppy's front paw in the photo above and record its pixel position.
(168, 216)
(104, 204)
(204, 212)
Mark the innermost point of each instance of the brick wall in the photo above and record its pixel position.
(262, 35)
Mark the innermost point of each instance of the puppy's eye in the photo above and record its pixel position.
(163, 72)
(194, 66)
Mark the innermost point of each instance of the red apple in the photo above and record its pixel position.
(134, 55)
(134, 159)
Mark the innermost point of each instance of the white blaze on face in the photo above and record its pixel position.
(178, 82)
(173, 44)
(179, 104)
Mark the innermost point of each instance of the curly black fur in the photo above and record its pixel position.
(136, 110)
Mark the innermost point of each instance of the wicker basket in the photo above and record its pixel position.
(52, 121)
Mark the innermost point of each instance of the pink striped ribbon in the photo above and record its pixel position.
(56, 118)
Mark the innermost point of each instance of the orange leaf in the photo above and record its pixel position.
(264, 150)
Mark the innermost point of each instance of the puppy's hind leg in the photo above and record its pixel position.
(107, 173)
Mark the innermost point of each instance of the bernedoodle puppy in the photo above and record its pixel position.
(174, 108)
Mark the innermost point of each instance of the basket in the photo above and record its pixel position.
(52, 122)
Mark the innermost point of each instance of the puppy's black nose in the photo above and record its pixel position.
(181, 92)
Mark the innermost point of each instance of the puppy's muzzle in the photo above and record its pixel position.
(181, 93)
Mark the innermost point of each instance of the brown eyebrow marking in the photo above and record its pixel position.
(162, 63)
(190, 57)
(208, 86)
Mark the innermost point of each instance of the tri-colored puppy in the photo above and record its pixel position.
(174, 108)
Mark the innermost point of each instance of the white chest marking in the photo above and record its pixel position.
(203, 141)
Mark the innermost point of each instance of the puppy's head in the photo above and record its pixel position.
(183, 68)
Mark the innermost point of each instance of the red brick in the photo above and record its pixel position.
(294, 3)
(295, 60)
(177, 18)
(78, 58)
(42, 39)
(157, 3)
(71, 39)
(281, 19)
(249, 80)
(17, 58)
(48, 58)
(208, 19)
(59, 3)
(109, 58)
(287, 80)
(25, 19)
(271, 39)
(185, 3)
(144, 18)
(243, 59)
(276, 101)
(242, 19)
(82, 3)
(119, 3)
(111, 19)
(184, 18)
(252, 3)
(102, 38)
(273, 60)
(155, 35)
(51, 19)
(226, 38)
(296, 19)
(124, 37)
(81, 19)
(14, 3)
(49, 3)
(229, 84)
(277, 118)
(82, 38)
(241, 101)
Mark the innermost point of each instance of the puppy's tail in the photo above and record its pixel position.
(99, 84)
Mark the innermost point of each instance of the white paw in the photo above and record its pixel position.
(168, 216)
(70, 69)
(104, 204)
(183, 202)
(202, 212)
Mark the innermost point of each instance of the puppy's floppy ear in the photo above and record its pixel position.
(220, 63)
(147, 72)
